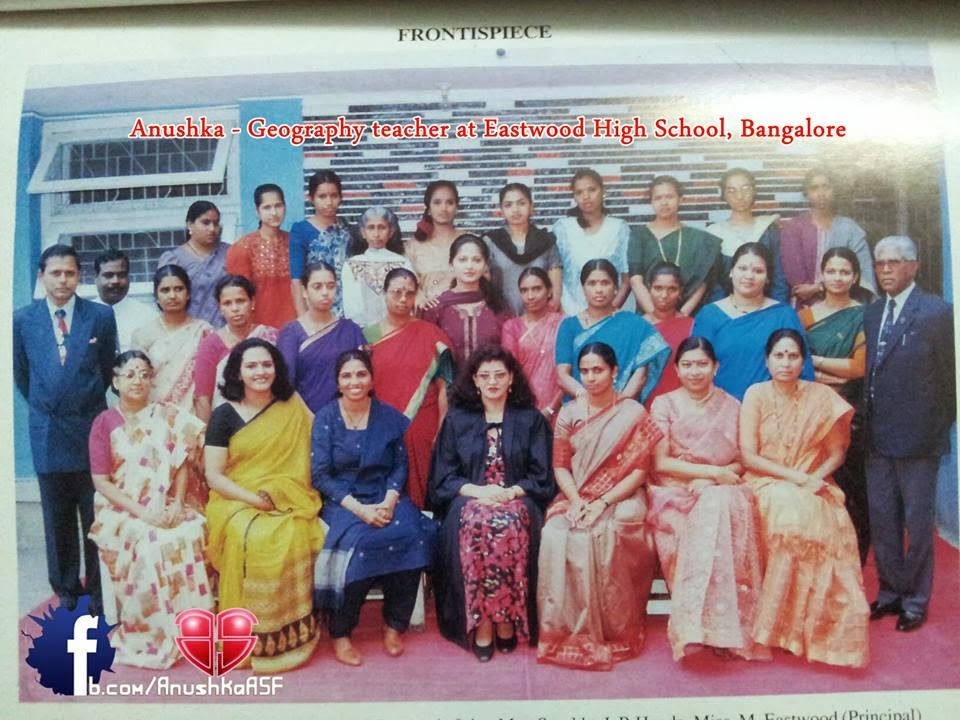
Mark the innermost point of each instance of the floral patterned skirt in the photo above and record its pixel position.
(494, 545)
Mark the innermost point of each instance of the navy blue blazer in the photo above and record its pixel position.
(911, 395)
(64, 399)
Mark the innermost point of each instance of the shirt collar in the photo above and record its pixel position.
(901, 299)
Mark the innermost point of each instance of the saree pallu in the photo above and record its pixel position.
(405, 364)
(266, 559)
(696, 252)
(708, 535)
(535, 349)
(635, 341)
(739, 344)
(594, 582)
(173, 355)
(311, 359)
(673, 331)
(840, 335)
(152, 573)
(813, 602)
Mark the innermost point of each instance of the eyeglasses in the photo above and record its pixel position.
(499, 376)
(891, 264)
(131, 374)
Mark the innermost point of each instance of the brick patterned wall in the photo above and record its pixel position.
(395, 172)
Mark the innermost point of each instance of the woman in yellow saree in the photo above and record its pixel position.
(262, 514)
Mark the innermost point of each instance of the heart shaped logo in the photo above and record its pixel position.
(200, 630)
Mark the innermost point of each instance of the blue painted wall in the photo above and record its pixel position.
(26, 255)
(270, 160)
(948, 506)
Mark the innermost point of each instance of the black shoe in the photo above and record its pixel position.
(506, 645)
(483, 652)
(910, 621)
(68, 602)
(878, 611)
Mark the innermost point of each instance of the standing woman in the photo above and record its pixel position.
(641, 351)
(792, 438)
(430, 248)
(489, 483)
(588, 232)
(310, 344)
(472, 312)
(736, 325)
(204, 258)
(704, 519)
(532, 338)
(322, 237)
(809, 235)
(738, 188)
(171, 341)
(262, 514)
(838, 346)
(665, 283)
(518, 245)
(412, 368)
(151, 545)
(235, 293)
(263, 256)
(363, 274)
(376, 535)
(665, 239)
(597, 559)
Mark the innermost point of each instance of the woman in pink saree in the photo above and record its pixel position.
(532, 338)
(597, 558)
(704, 519)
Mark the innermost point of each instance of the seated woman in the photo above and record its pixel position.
(665, 283)
(235, 294)
(412, 367)
(705, 520)
(792, 438)
(311, 343)
(532, 338)
(375, 535)
(262, 514)
(641, 351)
(737, 325)
(597, 559)
(838, 346)
(489, 482)
(150, 544)
(472, 312)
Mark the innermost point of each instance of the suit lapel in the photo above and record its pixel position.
(80, 335)
(907, 316)
(509, 427)
(47, 340)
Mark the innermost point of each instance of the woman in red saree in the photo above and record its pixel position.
(597, 558)
(412, 367)
(793, 435)
(665, 283)
(704, 519)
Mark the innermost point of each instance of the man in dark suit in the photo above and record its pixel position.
(911, 405)
(63, 352)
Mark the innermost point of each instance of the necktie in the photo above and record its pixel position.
(62, 326)
(887, 330)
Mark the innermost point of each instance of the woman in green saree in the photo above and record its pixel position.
(834, 328)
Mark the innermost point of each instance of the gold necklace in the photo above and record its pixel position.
(749, 309)
(676, 260)
(705, 399)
